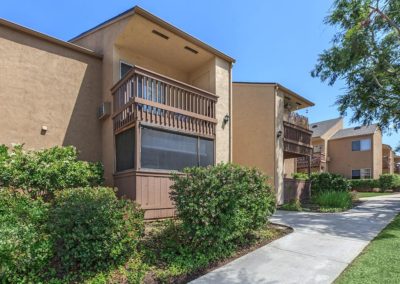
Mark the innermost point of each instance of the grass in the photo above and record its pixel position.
(372, 194)
(379, 262)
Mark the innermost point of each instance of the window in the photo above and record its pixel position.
(361, 174)
(125, 150)
(317, 149)
(124, 68)
(172, 151)
(361, 145)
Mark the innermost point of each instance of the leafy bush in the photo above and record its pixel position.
(389, 181)
(294, 205)
(221, 204)
(300, 176)
(25, 247)
(42, 172)
(367, 184)
(321, 182)
(93, 230)
(333, 200)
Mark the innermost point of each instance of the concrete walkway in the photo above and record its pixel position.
(319, 249)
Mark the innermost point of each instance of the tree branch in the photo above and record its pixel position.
(384, 16)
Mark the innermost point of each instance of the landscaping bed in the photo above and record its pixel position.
(379, 262)
(164, 253)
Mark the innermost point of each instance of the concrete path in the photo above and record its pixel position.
(318, 250)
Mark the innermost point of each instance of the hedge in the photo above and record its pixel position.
(220, 205)
(42, 172)
(367, 184)
(389, 181)
(321, 182)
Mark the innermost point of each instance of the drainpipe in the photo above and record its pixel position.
(230, 113)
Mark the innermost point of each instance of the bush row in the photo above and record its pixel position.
(82, 231)
(43, 172)
(321, 182)
(385, 182)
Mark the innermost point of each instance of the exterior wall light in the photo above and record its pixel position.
(226, 118)
(279, 134)
(43, 130)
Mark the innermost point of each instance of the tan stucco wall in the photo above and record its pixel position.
(343, 159)
(253, 120)
(47, 84)
(213, 76)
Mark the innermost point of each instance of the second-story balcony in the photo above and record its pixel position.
(147, 97)
(296, 137)
(317, 161)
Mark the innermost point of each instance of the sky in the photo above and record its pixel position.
(271, 40)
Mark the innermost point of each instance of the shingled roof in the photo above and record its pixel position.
(321, 127)
(355, 131)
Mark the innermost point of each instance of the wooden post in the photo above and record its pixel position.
(309, 166)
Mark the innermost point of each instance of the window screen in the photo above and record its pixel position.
(169, 151)
(365, 173)
(361, 145)
(124, 68)
(173, 151)
(355, 174)
(125, 150)
(206, 152)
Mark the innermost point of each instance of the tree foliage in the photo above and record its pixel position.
(366, 55)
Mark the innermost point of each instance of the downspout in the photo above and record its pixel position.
(230, 113)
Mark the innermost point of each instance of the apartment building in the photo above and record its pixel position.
(268, 133)
(354, 153)
(134, 92)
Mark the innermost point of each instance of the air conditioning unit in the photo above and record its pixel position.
(104, 110)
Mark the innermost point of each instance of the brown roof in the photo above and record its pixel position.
(355, 131)
(321, 127)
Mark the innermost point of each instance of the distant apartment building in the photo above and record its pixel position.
(355, 153)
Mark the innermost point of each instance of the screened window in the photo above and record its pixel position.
(125, 150)
(124, 68)
(361, 174)
(361, 145)
(172, 151)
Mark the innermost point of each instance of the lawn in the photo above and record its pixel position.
(379, 262)
(372, 194)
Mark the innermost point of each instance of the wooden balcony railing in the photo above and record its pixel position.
(297, 140)
(317, 160)
(297, 119)
(143, 95)
(386, 161)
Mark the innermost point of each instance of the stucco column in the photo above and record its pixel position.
(279, 131)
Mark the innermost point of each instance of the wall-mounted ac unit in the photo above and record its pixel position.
(104, 110)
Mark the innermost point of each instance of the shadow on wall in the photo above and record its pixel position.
(50, 95)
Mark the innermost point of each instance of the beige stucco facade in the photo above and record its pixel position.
(51, 85)
(117, 43)
(343, 160)
(257, 117)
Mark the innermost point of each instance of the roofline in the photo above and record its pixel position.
(48, 38)
(140, 11)
(353, 136)
(320, 136)
(279, 86)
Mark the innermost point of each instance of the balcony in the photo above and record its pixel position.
(296, 137)
(317, 161)
(150, 98)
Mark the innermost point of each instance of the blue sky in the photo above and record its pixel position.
(272, 40)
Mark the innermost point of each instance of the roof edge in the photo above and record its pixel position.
(48, 38)
(149, 16)
(279, 86)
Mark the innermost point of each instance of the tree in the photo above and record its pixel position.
(366, 56)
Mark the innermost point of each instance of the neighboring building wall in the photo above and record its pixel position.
(377, 154)
(343, 160)
(387, 160)
(47, 84)
(253, 121)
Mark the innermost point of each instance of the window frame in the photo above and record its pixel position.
(362, 173)
(174, 131)
(360, 141)
(120, 67)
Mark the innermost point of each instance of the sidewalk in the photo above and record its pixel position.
(319, 249)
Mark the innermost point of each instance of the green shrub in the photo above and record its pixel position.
(333, 200)
(221, 204)
(321, 182)
(389, 181)
(292, 206)
(42, 172)
(300, 176)
(367, 184)
(25, 247)
(93, 230)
